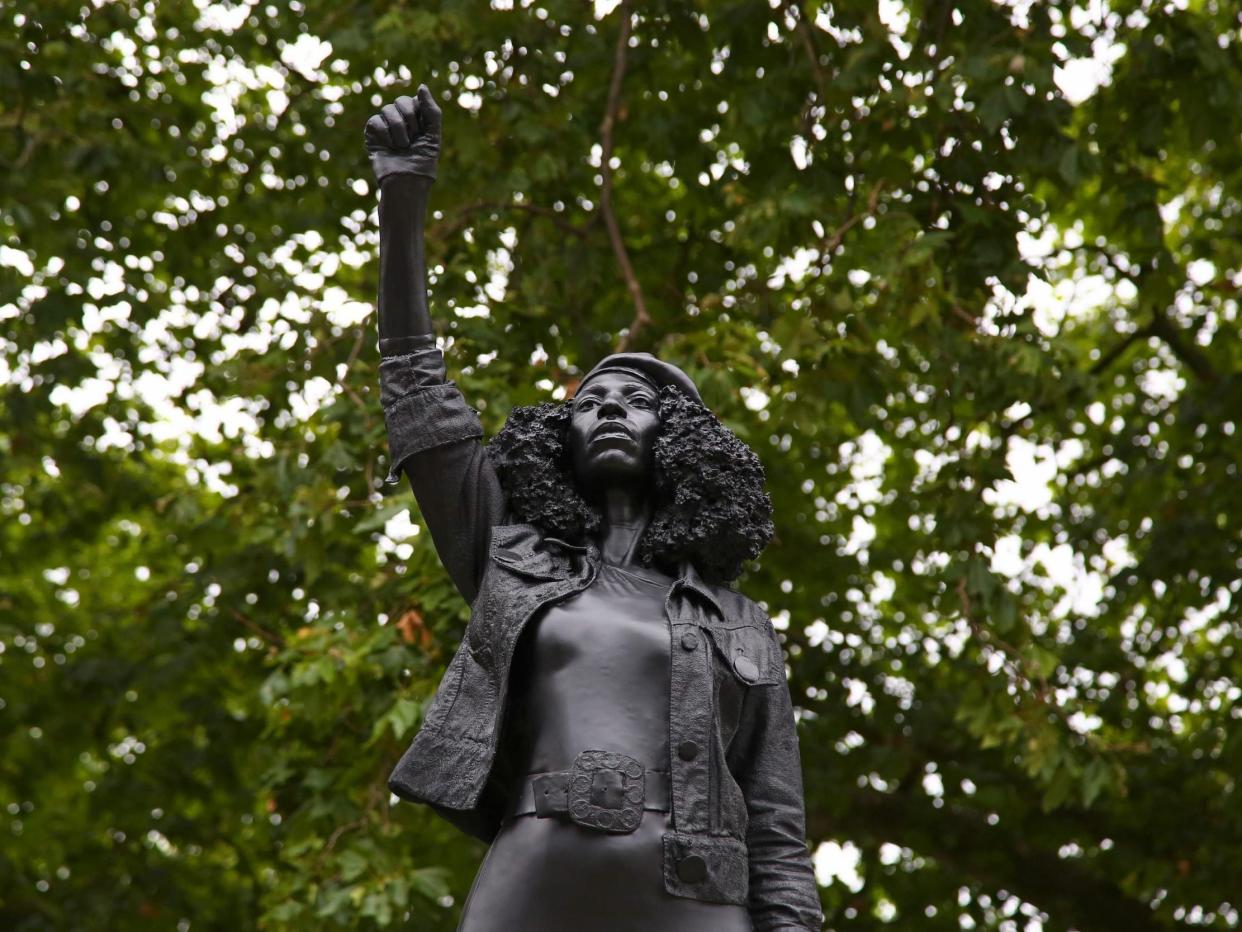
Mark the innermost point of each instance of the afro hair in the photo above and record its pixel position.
(711, 507)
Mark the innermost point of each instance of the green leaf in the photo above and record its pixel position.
(1097, 777)
(352, 865)
(430, 882)
(1043, 662)
(1068, 166)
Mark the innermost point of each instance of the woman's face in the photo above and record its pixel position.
(613, 429)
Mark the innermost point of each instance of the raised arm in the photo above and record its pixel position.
(433, 435)
(403, 141)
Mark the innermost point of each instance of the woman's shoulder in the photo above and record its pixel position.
(746, 607)
(734, 604)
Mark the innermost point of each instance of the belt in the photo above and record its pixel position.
(604, 790)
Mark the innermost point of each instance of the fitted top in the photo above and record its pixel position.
(592, 672)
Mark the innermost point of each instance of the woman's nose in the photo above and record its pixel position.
(610, 407)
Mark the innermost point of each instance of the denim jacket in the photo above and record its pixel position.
(737, 805)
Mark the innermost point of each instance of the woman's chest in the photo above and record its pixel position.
(606, 630)
(593, 672)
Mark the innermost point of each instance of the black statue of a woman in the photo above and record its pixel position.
(616, 721)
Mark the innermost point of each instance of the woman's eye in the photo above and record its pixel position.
(640, 402)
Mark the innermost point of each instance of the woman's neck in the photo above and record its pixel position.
(626, 515)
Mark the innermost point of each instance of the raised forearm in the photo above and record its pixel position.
(403, 310)
(403, 142)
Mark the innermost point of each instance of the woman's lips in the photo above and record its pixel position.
(611, 433)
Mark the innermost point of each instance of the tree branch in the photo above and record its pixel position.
(274, 639)
(1166, 331)
(1113, 354)
(641, 317)
(1191, 356)
(794, 12)
(343, 379)
(832, 242)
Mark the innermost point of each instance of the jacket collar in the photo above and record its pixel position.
(690, 579)
(688, 576)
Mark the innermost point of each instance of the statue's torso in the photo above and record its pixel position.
(591, 672)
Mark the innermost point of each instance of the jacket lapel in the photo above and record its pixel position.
(523, 549)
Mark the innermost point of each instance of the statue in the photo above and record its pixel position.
(616, 722)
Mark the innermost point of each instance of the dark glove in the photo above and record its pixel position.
(404, 137)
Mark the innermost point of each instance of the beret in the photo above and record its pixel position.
(656, 371)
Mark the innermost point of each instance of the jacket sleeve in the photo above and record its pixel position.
(765, 761)
(434, 437)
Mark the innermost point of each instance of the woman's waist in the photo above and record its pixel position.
(605, 790)
(548, 740)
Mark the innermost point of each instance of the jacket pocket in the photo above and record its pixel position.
(520, 549)
(749, 653)
(712, 868)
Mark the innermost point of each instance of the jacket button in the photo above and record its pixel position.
(692, 868)
(687, 750)
(690, 640)
(745, 668)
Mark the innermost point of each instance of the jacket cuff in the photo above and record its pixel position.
(421, 410)
(407, 373)
(404, 346)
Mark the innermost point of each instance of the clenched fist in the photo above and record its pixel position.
(404, 137)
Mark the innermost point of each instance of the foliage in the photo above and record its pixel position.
(897, 261)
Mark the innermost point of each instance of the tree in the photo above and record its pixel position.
(896, 258)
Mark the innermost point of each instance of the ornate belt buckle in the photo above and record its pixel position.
(606, 792)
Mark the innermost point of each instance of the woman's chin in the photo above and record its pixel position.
(611, 468)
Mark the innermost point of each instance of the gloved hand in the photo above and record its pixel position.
(404, 137)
